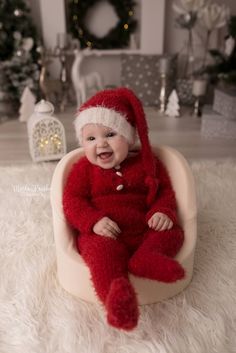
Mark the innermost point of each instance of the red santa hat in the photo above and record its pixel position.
(122, 111)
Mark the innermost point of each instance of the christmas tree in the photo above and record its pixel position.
(173, 107)
(18, 50)
(27, 105)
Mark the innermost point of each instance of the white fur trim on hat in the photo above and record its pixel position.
(107, 117)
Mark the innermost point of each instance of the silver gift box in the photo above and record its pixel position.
(225, 102)
(141, 74)
(216, 125)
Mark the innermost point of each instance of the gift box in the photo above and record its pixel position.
(141, 73)
(215, 125)
(225, 102)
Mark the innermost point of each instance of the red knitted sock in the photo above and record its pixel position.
(154, 259)
(156, 266)
(121, 305)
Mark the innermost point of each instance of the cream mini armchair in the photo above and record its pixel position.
(73, 274)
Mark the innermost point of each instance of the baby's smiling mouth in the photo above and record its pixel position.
(105, 155)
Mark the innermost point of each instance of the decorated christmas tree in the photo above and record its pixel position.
(18, 50)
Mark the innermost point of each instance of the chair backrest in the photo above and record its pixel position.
(182, 181)
(176, 165)
(59, 178)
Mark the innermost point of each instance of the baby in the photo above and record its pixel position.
(122, 204)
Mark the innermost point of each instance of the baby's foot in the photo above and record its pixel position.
(121, 305)
(157, 267)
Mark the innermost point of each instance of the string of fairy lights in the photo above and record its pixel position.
(117, 37)
(52, 143)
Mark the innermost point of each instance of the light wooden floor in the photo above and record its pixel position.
(183, 133)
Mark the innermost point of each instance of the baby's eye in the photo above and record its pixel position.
(111, 134)
(90, 138)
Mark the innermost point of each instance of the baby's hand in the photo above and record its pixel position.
(107, 228)
(160, 221)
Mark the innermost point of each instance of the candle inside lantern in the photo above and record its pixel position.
(164, 65)
(199, 87)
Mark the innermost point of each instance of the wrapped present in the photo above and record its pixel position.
(46, 134)
(225, 102)
(216, 125)
(141, 73)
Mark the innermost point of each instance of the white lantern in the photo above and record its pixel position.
(46, 134)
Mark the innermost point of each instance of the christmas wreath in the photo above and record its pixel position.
(117, 37)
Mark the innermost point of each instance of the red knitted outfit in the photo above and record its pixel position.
(91, 193)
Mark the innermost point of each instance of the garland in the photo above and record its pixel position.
(117, 37)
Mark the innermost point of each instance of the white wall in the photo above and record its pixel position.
(36, 14)
(152, 26)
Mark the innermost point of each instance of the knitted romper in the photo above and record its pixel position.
(120, 193)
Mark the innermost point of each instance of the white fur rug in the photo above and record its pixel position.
(37, 316)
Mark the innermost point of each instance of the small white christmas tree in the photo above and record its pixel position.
(173, 107)
(27, 105)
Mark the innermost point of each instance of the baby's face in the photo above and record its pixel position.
(103, 146)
